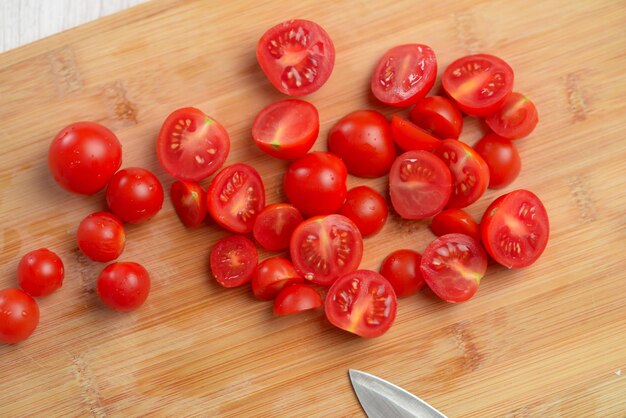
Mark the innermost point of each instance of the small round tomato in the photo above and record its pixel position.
(271, 275)
(274, 226)
(455, 221)
(419, 184)
(191, 145)
(296, 298)
(366, 208)
(19, 316)
(40, 272)
(297, 56)
(515, 229)
(123, 286)
(452, 266)
(316, 183)
(286, 129)
(362, 139)
(189, 200)
(470, 174)
(478, 83)
(83, 157)
(501, 157)
(438, 116)
(233, 260)
(134, 195)
(404, 75)
(516, 119)
(362, 302)
(411, 137)
(402, 269)
(325, 247)
(235, 197)
(101, 236)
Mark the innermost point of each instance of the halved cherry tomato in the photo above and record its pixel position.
(366, 208)
(452, 266)
(325, 247)
(296, 298)
(404, 75)
(191, 145)
(516, 118)
(455, 221)
(189, 200)
(235, 197)
(438, 116)
(297, 56)
(134, 195)
(271, 275)
(233, 260)
(275, 224)
(419, 184)
(515, 229)
(402, 269)
(362, 302)
(411, 137)
(40, 272)
(123, 286)
(19, 315)
(101, 236)
(501, 157)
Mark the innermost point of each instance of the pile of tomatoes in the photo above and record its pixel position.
(322, 224)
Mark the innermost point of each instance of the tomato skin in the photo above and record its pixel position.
(438, 116)
(134, 195)
(296, 298)
(502, 158)
(101, 236)
(516, 118)
(233, 260)
(275, 225)
(362, 139)
(123, 286)
(402, 269)
(40, 272)
(455, 221)
(366, 208)
(272, 275)
(83, 156)
(19, 315)
(410, 137)
(189, 201)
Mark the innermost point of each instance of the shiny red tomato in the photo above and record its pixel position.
(189, 200)
(404, 75)
(438, 116)
(455, 221)
(271, 275)
(296, 298)
(452, 266)
(134, 195)
(101, 236)
(402, 269)
(19, 316)
(411, 137)
(191, 145)
(515, 229)
(40, 272)
(297, 56)
(516, 119)
(123, 286)
(501, 157)
(274, 226)
(233, 260)
(83, 157)
(366, 208)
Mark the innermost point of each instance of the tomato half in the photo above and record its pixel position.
(123, 286)
(502, 158)
(411, 137)
(271, 275)
(101, 236)
(40, 272)
(189, 200)
(273, 227)
(402, 269)
(438, 116)
(366, 208)
(455, 221)
(233, 260)
(19, 315)
(516, 118)
(134, 195)
(296, 298)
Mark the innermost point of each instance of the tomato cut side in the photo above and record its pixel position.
(455, 221)
(516, 118)
(411, 137)
(275, 224)
(233, 260)
(502, 158)
(438, 116)
(271, 275)
(295, 299)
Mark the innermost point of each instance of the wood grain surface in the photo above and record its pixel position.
(545, 341)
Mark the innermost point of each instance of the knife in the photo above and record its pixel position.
(381, 399)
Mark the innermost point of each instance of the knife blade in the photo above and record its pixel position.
(381, 399)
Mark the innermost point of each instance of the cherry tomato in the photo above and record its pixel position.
(419, 184)
(274, 226)
(404, 75)
(297, 56)
(402, 269)
(233, 260)
(516, 119)
(316, 184)
(191, 145)
(478, 83)
(362, 302)
(83, 157)
(438, 116)
(455, 221)
(362, 139)
(189, 200)
(502, 159)
(366, 208)
(411, 137)
(271, 275)
(296, 298)
(40, 272)
(452, 266)
(286, 129)
(235, 197)
(134, 195)
(325, 247)
(470, 174)
(19, 316)
(123, 286)
(515, 229)
(101, 236)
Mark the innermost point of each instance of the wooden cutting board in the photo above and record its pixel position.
(548, 340)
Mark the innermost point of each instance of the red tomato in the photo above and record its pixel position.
(516, 118)
(362, 139)
(325, 247)
(286, 129)
(478, 83)
(362, 302)
(101, 236)
(411, 137)
(515, 229)
(19, 315)
(235, 197)
(501, 157)
(83, 157)
(439, 116)
(402, 269)
(366, 208)
(419, 184)
(455, 221)
(470, 174)
(40, 272)
(274, 226)
(191, 145)
(189, 200)
(123, 286)
(452, 266)
(134, 195)
(271, 275)
(233, 260)
(316, 183)
(296, 298)
(404, 75)
(297, 56)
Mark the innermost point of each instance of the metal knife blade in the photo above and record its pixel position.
(381, 399)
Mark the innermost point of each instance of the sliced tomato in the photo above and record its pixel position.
(233, 260)
(271, 275)
(438, 116)
(296, 298)
(516, 119)
(189, 200)
(455, 221)
(411, 137)
(275, 224)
